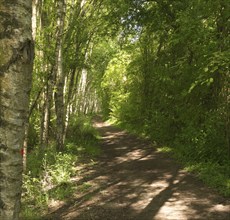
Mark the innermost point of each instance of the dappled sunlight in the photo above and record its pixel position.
(135, 154)
(133, 181)
(101, 124)
(174, 210)
(112, 135)
(220, 208)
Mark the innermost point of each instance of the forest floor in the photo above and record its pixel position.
(132, 180)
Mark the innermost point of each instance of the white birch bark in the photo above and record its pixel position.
(16, 58)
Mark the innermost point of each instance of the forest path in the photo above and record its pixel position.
(131, 180)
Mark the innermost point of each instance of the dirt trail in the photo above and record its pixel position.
(133, 181)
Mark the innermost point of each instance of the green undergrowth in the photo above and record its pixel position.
(212, 173)
(201, 161)
(49, 174)
(137, 130)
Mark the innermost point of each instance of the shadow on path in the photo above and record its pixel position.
(133, 181)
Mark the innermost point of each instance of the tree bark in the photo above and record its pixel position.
(45, 119)
(16, 58)
(58, 71)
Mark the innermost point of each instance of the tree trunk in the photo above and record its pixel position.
(58, 70)
(25, 145)
(16, 58)
(45, 120)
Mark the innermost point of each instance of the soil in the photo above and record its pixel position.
(131, 180)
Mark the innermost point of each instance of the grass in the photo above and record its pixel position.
(210, 172)
(213, 174)
(49, 175)
(62, 191)
(165, 149)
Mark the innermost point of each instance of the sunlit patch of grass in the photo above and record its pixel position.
(112, 121)
(165, 149)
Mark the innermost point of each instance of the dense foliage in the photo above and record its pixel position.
(176, 87)
(159, 68)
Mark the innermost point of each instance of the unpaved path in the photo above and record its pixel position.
(131, 180)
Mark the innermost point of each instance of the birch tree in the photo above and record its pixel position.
(58, 71)
(16, 58)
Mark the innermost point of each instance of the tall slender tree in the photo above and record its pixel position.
(58, 71)
(16, 58)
